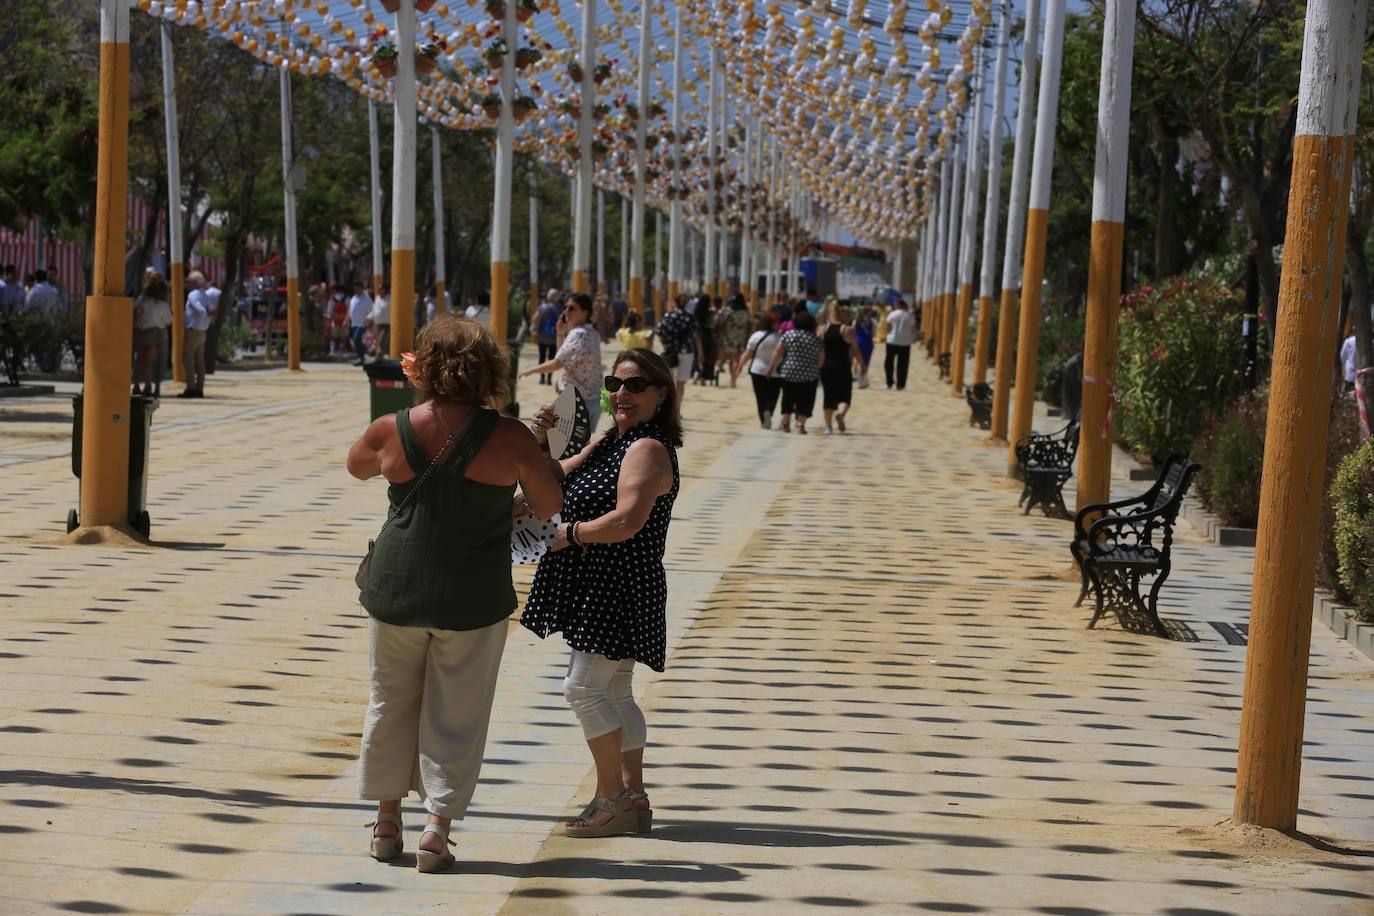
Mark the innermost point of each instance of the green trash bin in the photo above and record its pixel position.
(390, 391)
(140, 433)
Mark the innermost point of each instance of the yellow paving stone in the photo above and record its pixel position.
(878, 694)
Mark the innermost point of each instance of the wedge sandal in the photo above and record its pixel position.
(386, 848)
(429, 862)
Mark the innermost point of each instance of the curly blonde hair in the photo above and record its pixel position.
(457, 359)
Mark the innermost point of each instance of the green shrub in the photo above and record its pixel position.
(232, 338)
(1231, 451)
(1180, 356)
(1352, 499)
(1343, 438)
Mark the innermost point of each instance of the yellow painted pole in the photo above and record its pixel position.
(1269, 764)
(1028, 335)
(109, 314)
(178, 272)
(1001, 383)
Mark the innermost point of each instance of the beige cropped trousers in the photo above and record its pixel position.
(426, 722)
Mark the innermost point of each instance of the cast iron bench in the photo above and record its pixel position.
(979, 399)
(1045, 461)
(1116, 544)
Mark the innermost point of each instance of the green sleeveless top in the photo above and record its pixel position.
(444, 562)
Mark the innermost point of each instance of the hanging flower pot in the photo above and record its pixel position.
(427, 60)
(599, 150)
(424, 6)
(570, 108)
(494, 54)
(601, 73)
(523, 107)
(525, 57)
(491, 105)
(524, 9)
(384, 60)
(391, 6)
(496, 9)
(575, 71)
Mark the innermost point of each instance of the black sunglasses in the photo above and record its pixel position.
(636, 384)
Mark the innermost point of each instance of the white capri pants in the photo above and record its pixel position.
(427, 717)
(601, 694)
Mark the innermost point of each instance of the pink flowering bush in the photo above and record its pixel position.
(1180, 357)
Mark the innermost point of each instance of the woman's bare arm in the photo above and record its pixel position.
(646, 473)
(365, 456)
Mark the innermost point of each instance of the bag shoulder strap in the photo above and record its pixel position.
(439, 458)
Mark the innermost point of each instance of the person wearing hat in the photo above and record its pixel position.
(197, 325)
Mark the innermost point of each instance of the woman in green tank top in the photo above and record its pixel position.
(438, 589)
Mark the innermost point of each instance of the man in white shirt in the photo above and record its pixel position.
(196, 321)
(901, 331)
(11, 293)
(212, 297)
(43, 297)
(359, 310)
(1348, 362)
(381, 321)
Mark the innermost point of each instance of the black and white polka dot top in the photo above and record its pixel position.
(607, 599)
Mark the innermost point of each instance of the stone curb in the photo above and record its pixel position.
(25, 390)
(1341, 620)
(1337, 617)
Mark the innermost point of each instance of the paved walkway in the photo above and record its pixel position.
(878, 694)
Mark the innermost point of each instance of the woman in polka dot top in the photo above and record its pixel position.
(603, 585)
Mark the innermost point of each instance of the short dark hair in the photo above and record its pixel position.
(768, 321)
(804, 321)
(40, 276)
(632, 320)
(582, 301)
(657, 371)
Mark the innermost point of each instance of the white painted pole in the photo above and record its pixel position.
(582, 238)
(1105, 261)
(636, 269)
(1037, 223)
(746, 237)
(176, 257)
(1007, 319)
(403, 186)
(440, 278)
(503, 181)
(968, 241)
(992, 206)
(675, 237)
(712, 170)
(722, 288)
(951, 264)
(375, 190)
(1273, 715)
(293, 277)
(533, 301)
(601, 284)
(657, 283)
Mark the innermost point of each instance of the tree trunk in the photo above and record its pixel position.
(1169, 252)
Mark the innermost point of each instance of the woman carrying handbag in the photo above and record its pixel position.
(437, 584)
